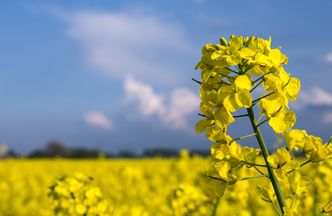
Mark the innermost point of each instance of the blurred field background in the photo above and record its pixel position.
(177, 186)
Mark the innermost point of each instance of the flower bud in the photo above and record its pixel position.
(223, 41)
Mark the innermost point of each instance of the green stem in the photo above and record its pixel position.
(256, 86)
(239, 116)
(258, 170)
(228, 76)
(244, 137)
(247, 69)
(275, 209)
(240, 179)
(252, 177)
(215, 207)
(265, 153)
(258, 79)
(260, 123)
(200, 114)
(314, 207)
(305, 163)
(260, 117)
(232, 70)
(264, 96)
(223, 82)
(301, 165)
(253, 164)
(196, 81)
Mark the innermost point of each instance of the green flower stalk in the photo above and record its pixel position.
(265, 154)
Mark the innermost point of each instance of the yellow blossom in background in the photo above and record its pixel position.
(147, 186)
(75, 195)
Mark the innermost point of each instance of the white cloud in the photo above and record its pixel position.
(328, 58)
(315, 96)
(327, 118)
(98, 119)
(182, 103)
(123, 43)
(126, 44)
(149, 103)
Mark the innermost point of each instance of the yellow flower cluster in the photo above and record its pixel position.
(311, 145)
(228, 72)
(240, 73)
(295, 185)
(75, 195)
(231, 158)
(187, 199)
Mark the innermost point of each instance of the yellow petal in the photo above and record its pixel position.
(282, 121)
(233, 60)
(224, 91)
(284, 156)
(223, 168)
(216, 134)
(247, 53)
(243, 98)
(217, 54)
(216, 151)
(271, 104)
(250, 154)
(263, 59)
(202, 125)
(223, 117)
(272, 82)
(257, 70)
(235, 43)
(275, 56)
(294, 138)
(242, 82)
(284, 76)
(293, 88)
(230, 103)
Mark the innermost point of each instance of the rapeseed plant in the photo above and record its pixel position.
(233, 72)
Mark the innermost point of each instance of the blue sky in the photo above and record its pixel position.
(116, 74)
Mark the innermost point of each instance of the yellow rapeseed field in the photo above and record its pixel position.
(146, 187)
